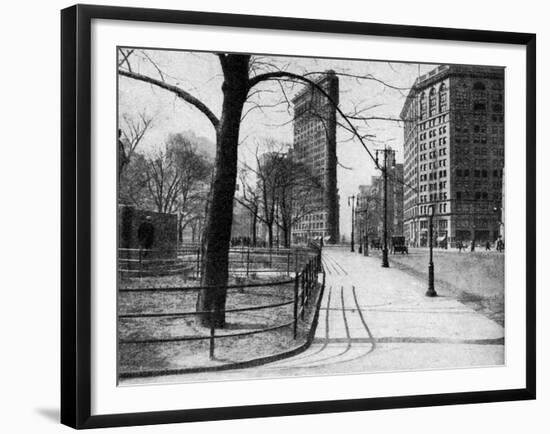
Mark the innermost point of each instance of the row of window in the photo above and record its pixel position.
(442, 195)
(432, 143)
(478, 173)
(442, 209)
(437, 101)
(433, 165)
(433, 175)
(478, 195)
(433, 122)
(433, 132)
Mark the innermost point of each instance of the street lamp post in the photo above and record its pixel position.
(473, 245)
(366, 219)
(360, 240)
(352, 220)
(431, 290)
(360, 250)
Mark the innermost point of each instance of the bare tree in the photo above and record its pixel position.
(242, 77)
(251, 201)
(131, 132)
(269, 168)
(195, 171)
(163, 181)
(296, 188)
(283, 190)
(133, 183)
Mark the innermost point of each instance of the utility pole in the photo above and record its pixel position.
(366, 239)
(386, 151)
(363, 225)
(359, 226)
(352, 219)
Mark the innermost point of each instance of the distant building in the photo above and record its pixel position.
(364, 214)
(241, 227)
(396, 186)
(370, 206)
(315, 147)
(454, 154)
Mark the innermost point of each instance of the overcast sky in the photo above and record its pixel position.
(200, 74)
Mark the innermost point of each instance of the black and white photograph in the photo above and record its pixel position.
(283, 216)
(275, 217)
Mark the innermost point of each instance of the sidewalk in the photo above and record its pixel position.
(378, 319)
(375, 319)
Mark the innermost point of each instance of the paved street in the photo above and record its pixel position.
(376, 319)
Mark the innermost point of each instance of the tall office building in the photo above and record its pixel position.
(454, 154)
(315, 147)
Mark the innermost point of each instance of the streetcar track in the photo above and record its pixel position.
(324, 263)
(337, 264)
(328, 266)
(329, 262)
(315, 363)
(325, 341)
(341, 268)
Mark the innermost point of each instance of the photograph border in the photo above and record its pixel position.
(76, 210)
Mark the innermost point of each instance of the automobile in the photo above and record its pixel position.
(398, 245)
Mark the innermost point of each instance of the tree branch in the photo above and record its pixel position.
(186, 96)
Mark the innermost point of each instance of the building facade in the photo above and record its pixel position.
(454, 154)
(314, 146)
(370, 206)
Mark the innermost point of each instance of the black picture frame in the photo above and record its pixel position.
(76, 215)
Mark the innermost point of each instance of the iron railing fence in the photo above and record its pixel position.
(186, 260)
(299, 292)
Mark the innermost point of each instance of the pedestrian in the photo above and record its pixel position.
(459, 246)
(146, 235)
(488, 245)
(473, 246)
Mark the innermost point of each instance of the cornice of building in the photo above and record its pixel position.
(443, 71)
(329, 74)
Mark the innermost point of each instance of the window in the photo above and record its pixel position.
(433, 106)
(442, 97)
(480, 106)
(458, 195)
(423, 106)
(479, 86)
(461, 96)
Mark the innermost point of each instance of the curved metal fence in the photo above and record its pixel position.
(186, 261)
(292, 295)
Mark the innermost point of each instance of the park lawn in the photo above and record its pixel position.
(165, 356)
(474, 278)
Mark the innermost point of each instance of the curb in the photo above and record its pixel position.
(246, 363)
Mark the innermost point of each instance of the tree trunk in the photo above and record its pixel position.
(270, 235)
(254, 230)
(286, 234)
(211, 299)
